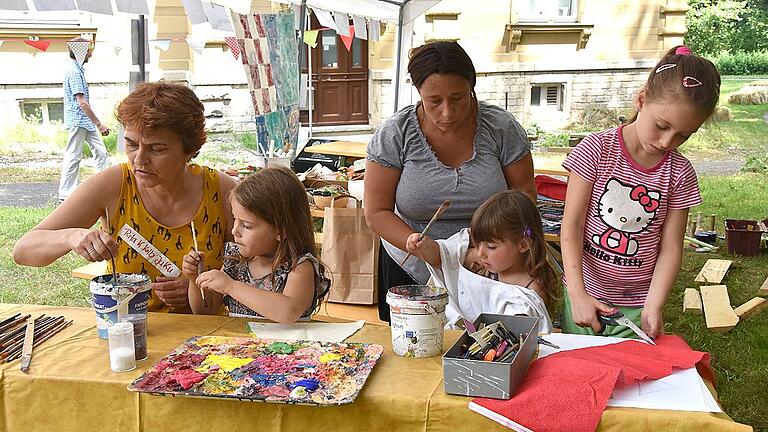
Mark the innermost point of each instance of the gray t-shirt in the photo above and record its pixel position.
(425, 182)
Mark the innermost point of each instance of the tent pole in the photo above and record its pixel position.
(304, 24)
(398, 52)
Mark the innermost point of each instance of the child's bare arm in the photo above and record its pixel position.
(665, 272)
(285, 307)
(427, 249)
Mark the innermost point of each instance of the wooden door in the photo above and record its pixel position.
(340, 79)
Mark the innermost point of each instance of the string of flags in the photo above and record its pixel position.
(198, 12)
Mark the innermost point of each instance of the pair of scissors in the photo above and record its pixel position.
(615, 317)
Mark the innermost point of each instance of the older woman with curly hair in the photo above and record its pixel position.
(158, 192)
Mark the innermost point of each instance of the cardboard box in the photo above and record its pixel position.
(490, 379)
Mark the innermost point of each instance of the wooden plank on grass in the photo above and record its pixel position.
(718, 312)
(763, 291)
(713, 271)
(751, 307)
(692, 301)
(90, 271)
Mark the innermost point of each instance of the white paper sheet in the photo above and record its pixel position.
(315, 331)
(683, 390)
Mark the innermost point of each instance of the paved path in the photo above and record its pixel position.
(28, 194)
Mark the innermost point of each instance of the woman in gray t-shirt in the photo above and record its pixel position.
(449, 146)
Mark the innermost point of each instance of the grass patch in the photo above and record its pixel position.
(50, 285)
(738, 357)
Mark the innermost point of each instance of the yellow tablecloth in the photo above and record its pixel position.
(71, 388)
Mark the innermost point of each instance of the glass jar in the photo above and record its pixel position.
(122, 356)
(139, 322)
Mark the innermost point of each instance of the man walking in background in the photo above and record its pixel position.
(80, 120)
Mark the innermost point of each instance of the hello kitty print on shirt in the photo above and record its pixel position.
(627, 210)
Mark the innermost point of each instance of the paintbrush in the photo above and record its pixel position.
(9, 319)
(111, 258)
(199, 263)
(443, 207)
(14, 323)
(8, 339)
(16, 343)
(38, 339)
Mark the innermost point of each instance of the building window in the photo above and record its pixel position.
(547, 10)
(547, 96)
(43, 111)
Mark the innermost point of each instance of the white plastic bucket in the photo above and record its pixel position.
(417, 318)
(129, 295)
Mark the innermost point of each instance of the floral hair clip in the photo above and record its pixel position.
(664, 67)
(683, 50)
(527, 232)
(690, 81)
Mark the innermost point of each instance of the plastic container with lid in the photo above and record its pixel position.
(122, 356)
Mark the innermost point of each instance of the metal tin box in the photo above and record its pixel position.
(496, 380)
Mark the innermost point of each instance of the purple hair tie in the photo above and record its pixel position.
(527, 232)
(683, 50)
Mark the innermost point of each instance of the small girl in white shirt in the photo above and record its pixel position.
(501, 269)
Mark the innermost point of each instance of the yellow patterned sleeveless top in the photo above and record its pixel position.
(173, 242)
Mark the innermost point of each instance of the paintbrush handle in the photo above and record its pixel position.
(443, 207)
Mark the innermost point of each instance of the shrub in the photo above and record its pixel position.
(742, 63)
(757, 164)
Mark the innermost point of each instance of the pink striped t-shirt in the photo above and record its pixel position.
(626, 211)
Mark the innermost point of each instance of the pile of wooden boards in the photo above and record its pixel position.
(714, 302)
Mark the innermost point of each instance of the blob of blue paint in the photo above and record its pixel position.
(311, 384)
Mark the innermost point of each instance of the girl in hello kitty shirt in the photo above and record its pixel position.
(627, 204)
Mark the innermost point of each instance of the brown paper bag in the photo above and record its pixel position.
(350, 252)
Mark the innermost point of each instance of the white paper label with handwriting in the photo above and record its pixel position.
(148, 251)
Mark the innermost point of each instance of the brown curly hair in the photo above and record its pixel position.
(163, 105)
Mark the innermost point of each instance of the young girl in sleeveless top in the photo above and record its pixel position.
(270, 270)
(498, 265)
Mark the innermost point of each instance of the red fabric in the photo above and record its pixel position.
(188, 377)
(570, 389)
(550, 187)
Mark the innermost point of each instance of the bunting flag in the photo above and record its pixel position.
(117, 48)
(310, 38)
(17, 5)
(1, 43)
(347, 40)
(325, 19)
(95, 6)
(194, 10)
(233, 46)
(79, 49)
(196, 44)
(54, 5)
(138, 7)
(373, 30)
(239, 6)
(217, 16)
(342, 23)
(161, 44)
(42, 45)
(361, 30)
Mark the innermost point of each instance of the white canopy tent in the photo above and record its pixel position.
(402, 13)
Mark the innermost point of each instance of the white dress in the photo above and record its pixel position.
(471, 294)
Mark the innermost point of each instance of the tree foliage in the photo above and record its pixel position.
(727, 26)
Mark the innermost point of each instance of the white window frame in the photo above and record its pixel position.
(546, 11)
(45, 120)
(545, 102)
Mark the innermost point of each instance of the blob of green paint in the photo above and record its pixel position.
(281, 348)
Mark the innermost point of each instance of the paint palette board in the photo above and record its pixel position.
(262, 370)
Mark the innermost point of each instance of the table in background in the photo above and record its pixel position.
(70, 387)
(356, 150)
